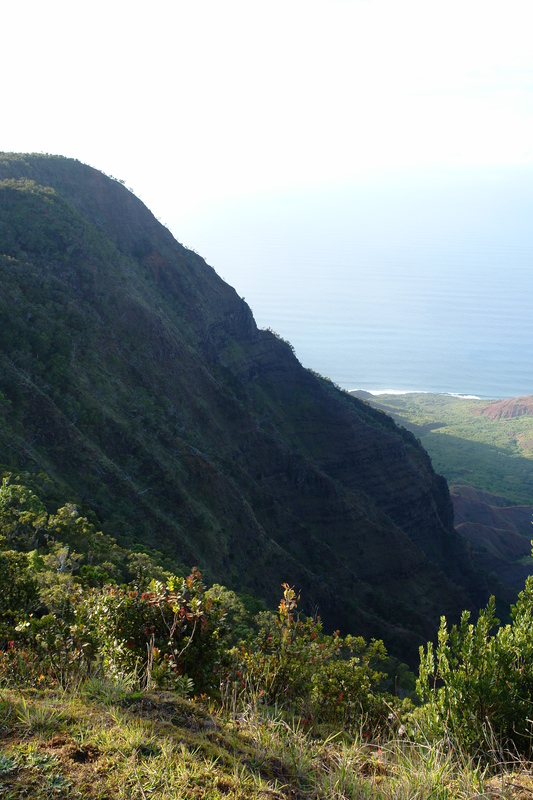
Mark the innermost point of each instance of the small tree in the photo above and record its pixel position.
(22, 515)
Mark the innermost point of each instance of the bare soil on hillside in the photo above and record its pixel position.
(509, 408)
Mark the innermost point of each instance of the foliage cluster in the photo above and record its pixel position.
(65, 611)
(291, 662)
(71, 616)
(478, 683)
(64, 620)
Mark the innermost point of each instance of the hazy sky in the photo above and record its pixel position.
(192, 102)
(316, 153)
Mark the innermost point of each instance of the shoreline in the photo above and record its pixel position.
(459, 395)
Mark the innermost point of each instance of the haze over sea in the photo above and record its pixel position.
(407, 282)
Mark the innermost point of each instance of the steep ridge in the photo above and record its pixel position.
(133, 374)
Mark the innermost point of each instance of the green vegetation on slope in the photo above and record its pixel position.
(97, 678)
(105, 741)
(494, 455)
(73, 602)
(137, 379)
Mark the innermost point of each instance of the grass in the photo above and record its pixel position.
(59, 745)
(492, 455)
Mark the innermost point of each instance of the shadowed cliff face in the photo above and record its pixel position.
(499, 535)
(132, 373)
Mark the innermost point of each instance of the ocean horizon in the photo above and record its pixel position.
(379, 392)
(421, 282)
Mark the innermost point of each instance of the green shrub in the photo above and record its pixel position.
(170, 635)
(22, 515)
(324, 678)
(478, 684)
(18, 591)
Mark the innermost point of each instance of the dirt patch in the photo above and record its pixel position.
(82, 755)
(57, 741)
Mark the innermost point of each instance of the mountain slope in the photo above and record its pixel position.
(509, 408)
(134, 375)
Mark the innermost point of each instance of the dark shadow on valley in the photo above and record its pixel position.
(487, 467)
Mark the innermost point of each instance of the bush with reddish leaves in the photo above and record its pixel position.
(169, 636)
(325, 679)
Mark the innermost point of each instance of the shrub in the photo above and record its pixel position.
(324, 678)
(170, 635)
(479, 682)
(18, 591)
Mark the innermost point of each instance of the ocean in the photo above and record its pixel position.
(406, 282)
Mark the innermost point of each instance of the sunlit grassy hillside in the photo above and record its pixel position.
(107, 742)
(494, 455)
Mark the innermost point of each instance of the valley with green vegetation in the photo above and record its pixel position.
(148, 425)
(484, 448)
(487, 444)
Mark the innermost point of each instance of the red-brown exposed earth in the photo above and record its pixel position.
(508, 408)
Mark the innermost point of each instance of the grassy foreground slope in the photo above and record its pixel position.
(120, 745)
